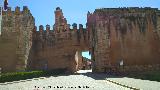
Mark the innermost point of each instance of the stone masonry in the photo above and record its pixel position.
(114, 36)
(128, 35)
(16, 39)
(58, 48)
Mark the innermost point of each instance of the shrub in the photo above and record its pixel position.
(15, 76)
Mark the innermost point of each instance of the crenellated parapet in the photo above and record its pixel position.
(124, 18)
(126, 10)
(16, 21)
(16, 11)
(112, 35)
(69, 34)
(61, 30)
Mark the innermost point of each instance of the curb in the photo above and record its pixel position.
(134, 88)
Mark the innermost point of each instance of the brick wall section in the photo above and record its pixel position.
(23, 47)
(57, 50)
(16, 39)
(53, 49)
(128, 34)
(111, 35)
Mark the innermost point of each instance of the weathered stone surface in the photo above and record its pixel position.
(58, 48)
(128, 34)
(15, 41)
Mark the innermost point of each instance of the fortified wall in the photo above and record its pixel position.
(15, 39)
(58, 48)
(23, 47)
(127, 38)
(119, 39)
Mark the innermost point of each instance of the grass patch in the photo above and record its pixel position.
(16, 76)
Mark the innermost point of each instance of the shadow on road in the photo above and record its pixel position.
(149, 75)
(99, 76)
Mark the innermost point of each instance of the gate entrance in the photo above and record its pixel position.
(83, 59)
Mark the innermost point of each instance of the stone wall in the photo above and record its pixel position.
(53, 49)
(112, 35)
(57, 50)
(130, 35)
(16, 39)
(23, 47)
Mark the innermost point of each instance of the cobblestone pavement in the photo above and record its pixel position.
(82, 81)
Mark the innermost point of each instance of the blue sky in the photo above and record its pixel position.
(74, 10)
(86, 54)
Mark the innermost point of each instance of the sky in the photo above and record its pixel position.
(75, 11)
(86, 54)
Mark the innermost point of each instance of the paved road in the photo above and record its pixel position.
(138, 83)
(83, 81)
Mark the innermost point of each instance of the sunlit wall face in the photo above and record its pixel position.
(86, 54)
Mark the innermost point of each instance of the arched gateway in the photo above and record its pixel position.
(60, 45)
(112, 35)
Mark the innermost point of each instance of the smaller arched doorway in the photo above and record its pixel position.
(83, 60)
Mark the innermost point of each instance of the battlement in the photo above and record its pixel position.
(41, 28)
(47, 28)
(45, 34)
(126, 10)
(80, 26)
(17, 11)
(112, 35)
(16, 21)
(130, 13)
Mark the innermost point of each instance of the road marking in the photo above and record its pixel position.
(134, 88)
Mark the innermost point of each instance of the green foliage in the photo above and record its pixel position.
(15, 76)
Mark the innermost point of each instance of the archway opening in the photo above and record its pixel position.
(86, 58)
(83, 59)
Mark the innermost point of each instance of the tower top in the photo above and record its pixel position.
(58, 8)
